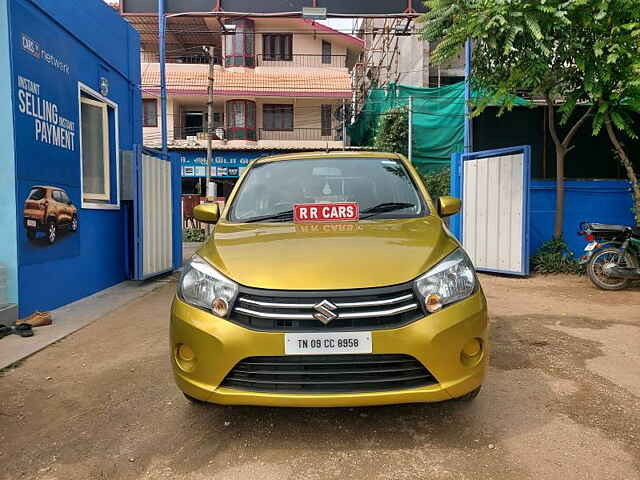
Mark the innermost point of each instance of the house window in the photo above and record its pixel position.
(95, 150)
(325, 120)
(240, 47)
(277, 47)
(277, 117)
(150, 112)
(326, 52)
(241, 120)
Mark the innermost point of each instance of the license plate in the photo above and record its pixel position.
(31, 223)
(333, 343)
(590, 247)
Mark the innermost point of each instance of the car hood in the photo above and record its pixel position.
(286, 256)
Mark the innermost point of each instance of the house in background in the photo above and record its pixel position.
(279, 85)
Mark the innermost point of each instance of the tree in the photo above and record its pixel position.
(610, 65)
(519, 47)
(393, 131)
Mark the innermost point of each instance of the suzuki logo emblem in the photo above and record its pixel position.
(325, 311)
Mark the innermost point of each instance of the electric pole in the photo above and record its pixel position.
(209, 132)
(209, 120)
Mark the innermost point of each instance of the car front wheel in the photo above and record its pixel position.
(52, 231)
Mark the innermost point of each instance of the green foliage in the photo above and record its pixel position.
(519, 45)
(438, 183)
(568, 53)
(393, 131)
(554, 257)
(193, 235)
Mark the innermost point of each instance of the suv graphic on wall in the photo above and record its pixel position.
(48, 209)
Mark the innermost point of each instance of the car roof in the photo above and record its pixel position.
(46, 187)
(312, 155)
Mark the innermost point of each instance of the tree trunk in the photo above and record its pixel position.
(557, 227)
(562, 147)
(631, 174)
(561, 152)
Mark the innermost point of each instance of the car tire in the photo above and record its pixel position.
(469, 397)
(52, 232)
(193, 400)
(74, 223)
(31, 233)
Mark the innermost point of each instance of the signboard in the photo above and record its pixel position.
(229, 164)
(352, 7)
(47, 141)
(326, 212)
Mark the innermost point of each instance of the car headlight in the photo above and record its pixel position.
(203, 286)
(451, 280)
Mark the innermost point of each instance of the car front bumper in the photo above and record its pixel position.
(436, 341)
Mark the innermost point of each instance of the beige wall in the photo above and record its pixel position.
(308, 43)
(306, 114)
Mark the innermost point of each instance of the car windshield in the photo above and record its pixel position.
(381, 186)
(36, 194)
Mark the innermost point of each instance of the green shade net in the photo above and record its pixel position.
(438, 120)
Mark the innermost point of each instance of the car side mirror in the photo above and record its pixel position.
(207, 212)
(448, 206)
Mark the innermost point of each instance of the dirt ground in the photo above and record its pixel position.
(561, 401)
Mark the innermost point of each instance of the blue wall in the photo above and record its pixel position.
(8, 245)
(605, 201)
(88, 40)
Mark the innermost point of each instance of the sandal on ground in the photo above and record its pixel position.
(4, 331)
(24, 330)
(36, 319)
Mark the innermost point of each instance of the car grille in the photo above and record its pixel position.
(364, 309)
(328, 374)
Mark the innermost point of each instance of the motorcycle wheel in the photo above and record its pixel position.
(597, 273)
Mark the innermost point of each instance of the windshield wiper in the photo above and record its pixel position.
(385, 208)
(283, 216)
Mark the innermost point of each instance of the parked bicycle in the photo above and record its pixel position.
(612, 255)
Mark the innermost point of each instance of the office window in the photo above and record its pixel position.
(277, 47)
(150, 112)
(326, 52)
(325, 120)
(95, 150)
(277, 117)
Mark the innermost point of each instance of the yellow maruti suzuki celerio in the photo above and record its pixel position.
(330, 279)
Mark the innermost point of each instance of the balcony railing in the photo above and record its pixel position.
(301, 134)
(181, 133)
(293, 135)
(302, 60)
(191, 59)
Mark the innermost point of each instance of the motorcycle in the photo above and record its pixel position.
(612, 255)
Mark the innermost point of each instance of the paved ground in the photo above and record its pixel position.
(562, 400)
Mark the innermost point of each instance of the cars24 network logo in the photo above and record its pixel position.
(31, 46)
